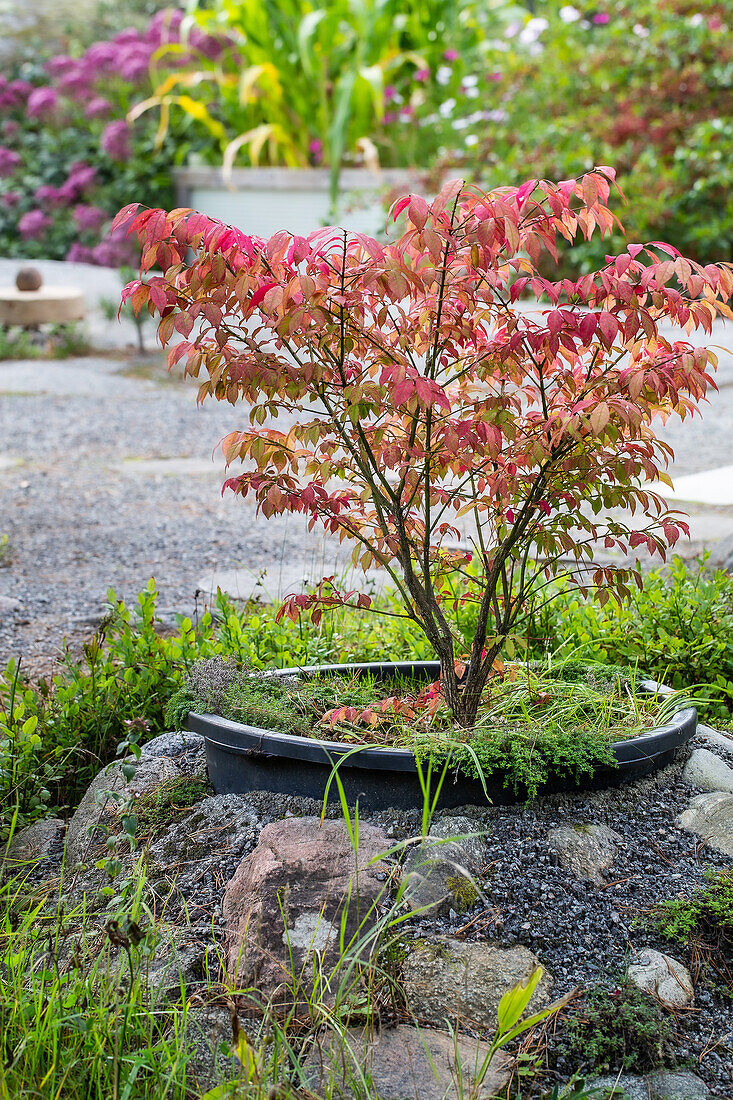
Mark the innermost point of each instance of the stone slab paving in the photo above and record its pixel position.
(109, 474)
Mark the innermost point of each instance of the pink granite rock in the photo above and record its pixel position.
(287, 902)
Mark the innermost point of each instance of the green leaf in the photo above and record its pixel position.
(514, 1002)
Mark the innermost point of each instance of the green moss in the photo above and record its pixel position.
(158, 807)
(464, 892)
(392, 954)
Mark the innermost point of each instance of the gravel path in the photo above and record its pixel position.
(87, 502)
(84, 509)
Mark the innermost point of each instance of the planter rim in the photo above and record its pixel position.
(239, 739)
(293, 179)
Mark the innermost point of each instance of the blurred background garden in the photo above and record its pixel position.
(104, 103)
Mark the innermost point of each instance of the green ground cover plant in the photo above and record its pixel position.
(707, 915)
(56, 733)
(616, 1028)
(536, 721)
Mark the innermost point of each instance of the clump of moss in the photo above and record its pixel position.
(157, 808)
(617, 1028)
(464, 892)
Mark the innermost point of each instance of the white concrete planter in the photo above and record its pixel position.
(261, 201)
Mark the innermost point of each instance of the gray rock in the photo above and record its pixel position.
(665, 978)
(710, 816)
(438, 872)
(8, 606)
(585, 850)
(465, 981)
(288, 899)
(95, 806)
(665, 1085)
(40, 844)
(677, 1085)
(404, 1063)
(712, 739)
(178, 964)
(215, 832)
(705, 769)
(174, 744)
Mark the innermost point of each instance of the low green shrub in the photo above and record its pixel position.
(52, 342)
(616, 1028)
(678, 629)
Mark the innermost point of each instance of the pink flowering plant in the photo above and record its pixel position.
(69, 157)
(428, 420)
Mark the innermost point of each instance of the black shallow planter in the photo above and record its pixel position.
(244, 758)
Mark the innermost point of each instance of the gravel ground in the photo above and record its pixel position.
(83, 512)
(84, 508)
(581, 932)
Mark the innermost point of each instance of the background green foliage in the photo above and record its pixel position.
(646, 87)
(494, 89)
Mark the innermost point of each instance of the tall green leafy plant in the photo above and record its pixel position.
(308, 83)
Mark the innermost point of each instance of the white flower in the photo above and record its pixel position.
(471, 139)
(696, 20)
(569, 14)
(640, 30)
(471, 93)
(512, 29)
(446, 108)
(533, 30)
(444, 74)
(470, 81)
